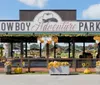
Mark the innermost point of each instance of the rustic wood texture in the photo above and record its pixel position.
(28, 15)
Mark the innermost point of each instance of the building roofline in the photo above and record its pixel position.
(9, 20)
(49, 10)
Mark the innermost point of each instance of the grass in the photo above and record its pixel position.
(89, 73)
(37, 73)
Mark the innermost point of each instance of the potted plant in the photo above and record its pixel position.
(58, 67)
(98, 67)
(8, 66)
(86, 68)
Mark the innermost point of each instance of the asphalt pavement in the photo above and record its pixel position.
(46, 79)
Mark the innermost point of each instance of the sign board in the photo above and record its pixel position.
(49, 21)
(64, 26)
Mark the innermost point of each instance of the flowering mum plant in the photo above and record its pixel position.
(98, 67)
(56, 64)
(86, 66)
(7, 63)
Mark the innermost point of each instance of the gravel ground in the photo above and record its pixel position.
(45, 79)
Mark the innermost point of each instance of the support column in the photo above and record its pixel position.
(25, 49)
(69, 49)
(40, 50)
(11, 50)
(99, 50)
(21, 54)
(47, 52)
(73, 49)
(83, 49)
(74, 59)
(54, 50)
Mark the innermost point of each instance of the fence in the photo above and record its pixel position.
(42, 62)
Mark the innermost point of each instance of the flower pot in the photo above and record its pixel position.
(59, 70)
(8, 69)
(98, 69)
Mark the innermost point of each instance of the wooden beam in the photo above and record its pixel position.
(54, 50)
(83, 49)
(40, 50)
(11, 49)
(69, 49)
(25, 49)
(47, 53)
(21, 53)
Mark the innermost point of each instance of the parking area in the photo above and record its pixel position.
(46, 79)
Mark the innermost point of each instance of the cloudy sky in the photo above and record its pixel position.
(86, 9)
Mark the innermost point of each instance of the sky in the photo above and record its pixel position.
(86, 9)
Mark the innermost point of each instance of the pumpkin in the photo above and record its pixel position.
(87, 71)
(18, 70)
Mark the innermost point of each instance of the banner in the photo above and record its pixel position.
(63, 26)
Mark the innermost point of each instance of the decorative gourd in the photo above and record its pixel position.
(87, 71)
(18, 70)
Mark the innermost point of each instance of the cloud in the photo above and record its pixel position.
(92, 12)
(36, 3)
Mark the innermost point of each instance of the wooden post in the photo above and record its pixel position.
(54, 50)
(40, 50)
(99, 50)
(83, 49)
(69, 49)
(21, 53)
(28, 65)
(11, 49)
(25, 49)
(73, 49)
(74, 59)
(47, 53)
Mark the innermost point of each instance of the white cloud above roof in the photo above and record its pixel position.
(35, 3)
(92, 12)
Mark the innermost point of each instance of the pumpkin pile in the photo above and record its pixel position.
(56, 64)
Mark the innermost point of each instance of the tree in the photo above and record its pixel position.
(34, 47)
(50, 47)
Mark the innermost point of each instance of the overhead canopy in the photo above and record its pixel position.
(76, 39)
(18, 39)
